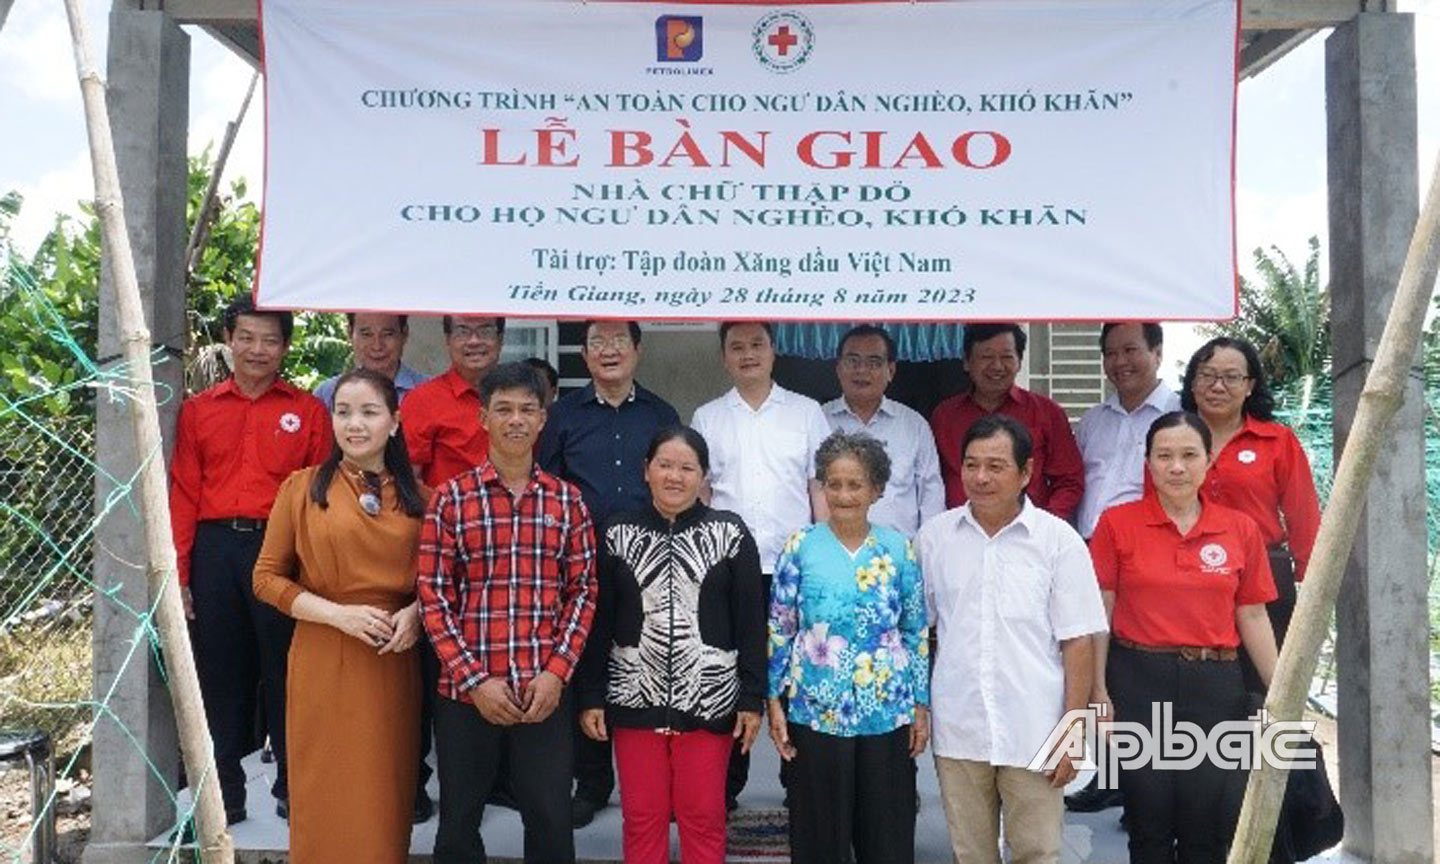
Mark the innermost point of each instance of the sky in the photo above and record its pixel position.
(1280, 146)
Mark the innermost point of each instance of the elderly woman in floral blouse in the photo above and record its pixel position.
(849, 651)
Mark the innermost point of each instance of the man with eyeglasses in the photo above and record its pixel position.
(865, 369)
(444, 436)
(378, 340)
(442, 416)
(596, 438)
(993, 353)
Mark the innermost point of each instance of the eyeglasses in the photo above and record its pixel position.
(485, 332)
(600, 343)
(1230, 380)
(855, 362)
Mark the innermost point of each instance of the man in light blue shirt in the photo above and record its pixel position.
(1112, 434)
(865, 369)
(379, 342)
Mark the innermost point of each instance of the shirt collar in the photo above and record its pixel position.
(1015, 394)
(1257, 427)
(457, 383)
(229, 387)
(1157, 398)
(777, 396)
(1156, 515)
(1025, 518)
(840, 406)
(489, 474)
(593, 395)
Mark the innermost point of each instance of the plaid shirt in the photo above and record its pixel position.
(506, 583)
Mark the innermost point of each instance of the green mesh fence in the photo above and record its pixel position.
(48, 514)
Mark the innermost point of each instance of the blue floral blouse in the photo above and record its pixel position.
(848, 638)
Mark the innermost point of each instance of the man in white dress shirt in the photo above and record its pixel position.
(1112, 434)
(865, 368)
(1014, 600)
(762, 441)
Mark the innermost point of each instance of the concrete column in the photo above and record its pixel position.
(136, 754)
(1383, 651)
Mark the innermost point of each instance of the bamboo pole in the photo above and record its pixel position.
(195, 744)
(200, 232)
(1379, 400)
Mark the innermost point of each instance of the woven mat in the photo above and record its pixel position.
(758, 835)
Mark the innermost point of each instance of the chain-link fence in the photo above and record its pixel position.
(47, 485)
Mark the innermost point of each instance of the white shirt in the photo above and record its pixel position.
(915, 491)
(1112, 442)
(761, 462)
(1002, 605)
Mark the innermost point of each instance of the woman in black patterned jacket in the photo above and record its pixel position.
(676, 657)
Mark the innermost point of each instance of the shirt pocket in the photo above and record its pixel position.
(792, 451)
(282, 452)
(1022, 593)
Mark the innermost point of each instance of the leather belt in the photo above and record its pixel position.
(238, 523)
(1186, 652)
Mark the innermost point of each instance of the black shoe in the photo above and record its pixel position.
(424, 809)
(267, 755)
(1093, 799)
(583, 810)
(1125, 821)
(282, 808)
(732, 804)
(234, 814)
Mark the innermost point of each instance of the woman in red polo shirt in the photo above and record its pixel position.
(1185, 582)
(1260, 468)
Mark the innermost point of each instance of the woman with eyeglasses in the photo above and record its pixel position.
(1260, 468)
(339, 556)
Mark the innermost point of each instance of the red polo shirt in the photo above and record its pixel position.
(1059, 470)
(442, 428)
(1180, 591)
(1263, 472)
(232, 453)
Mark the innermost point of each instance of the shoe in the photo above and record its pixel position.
(282, 808)
(1125, 821)
(732, 804)
(234, 814)
(424, 809)
(1093, 799)
(267, 756)
(582, 811)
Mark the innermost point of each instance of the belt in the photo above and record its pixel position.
(238, 523)
(1186, 652)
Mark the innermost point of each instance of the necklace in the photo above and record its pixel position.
(372, 483)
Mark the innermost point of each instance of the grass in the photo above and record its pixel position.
(45, 682)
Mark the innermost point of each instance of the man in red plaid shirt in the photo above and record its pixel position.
(506, 593)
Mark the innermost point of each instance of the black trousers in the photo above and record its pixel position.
(594, 769)
(1178, 816)
(468, 749)
(1281, 610)
(241, 648)
(429, 681)
(737, 773)
(852, 799)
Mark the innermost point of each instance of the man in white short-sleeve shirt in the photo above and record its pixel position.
(1014, 602)
(762, 441)
(865, 368)
(1112, 434)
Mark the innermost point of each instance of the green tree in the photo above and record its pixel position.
(1287, 317)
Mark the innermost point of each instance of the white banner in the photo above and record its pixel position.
(1025, 159)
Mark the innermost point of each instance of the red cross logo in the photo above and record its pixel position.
(783, 40)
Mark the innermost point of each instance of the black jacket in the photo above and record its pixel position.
(678, 639)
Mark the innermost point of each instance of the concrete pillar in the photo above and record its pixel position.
(1382, 647)
(135, 745)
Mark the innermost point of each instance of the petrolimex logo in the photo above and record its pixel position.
(782, 40)
(679, 38)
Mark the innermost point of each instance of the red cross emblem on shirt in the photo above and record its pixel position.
(783, 40)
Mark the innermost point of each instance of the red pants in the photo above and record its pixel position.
(680, 774)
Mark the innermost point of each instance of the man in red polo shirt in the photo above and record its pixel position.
(442, 416)
(234, 444)
(992, 360)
